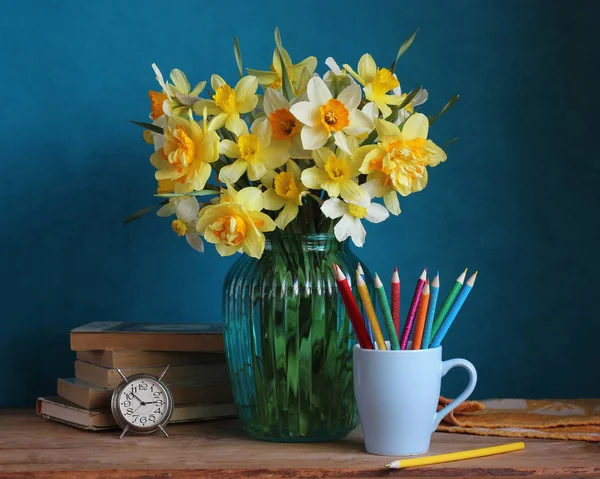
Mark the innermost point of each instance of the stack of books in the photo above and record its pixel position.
(197, 374)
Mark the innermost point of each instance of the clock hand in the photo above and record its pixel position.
(142, 402)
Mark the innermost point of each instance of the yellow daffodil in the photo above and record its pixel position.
(337, 174)
(186, 209)
(351, 215)
(281, 124)
(284, 190)
(237, 224)
(273, 78)
(398, 162)
(324, 115)
(173, 186)
(419, 99)
(228, 103)
(377, 82)
(175, 99)
(188, 151)
(253, 152)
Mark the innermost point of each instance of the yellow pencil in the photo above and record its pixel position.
(368, 304)
(456, 456)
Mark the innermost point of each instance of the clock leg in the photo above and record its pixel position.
(124, 432)
(163, 430)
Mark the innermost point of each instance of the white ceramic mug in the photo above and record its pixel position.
(397, 394)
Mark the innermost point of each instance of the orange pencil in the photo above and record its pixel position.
(421, 315)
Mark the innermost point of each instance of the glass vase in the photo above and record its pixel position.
(289, 341)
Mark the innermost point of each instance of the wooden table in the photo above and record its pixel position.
(31, 447)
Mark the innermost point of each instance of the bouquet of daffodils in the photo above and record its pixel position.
(305, 154)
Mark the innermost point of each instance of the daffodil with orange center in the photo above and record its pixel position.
(254, 153)
(377, 83)
(398, 163)
(324, 116)
(281, 124)
(336, 173)
(237, 225)
(188, 151)
(284, 192)
(227, 104)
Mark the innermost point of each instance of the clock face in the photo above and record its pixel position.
(144, 403)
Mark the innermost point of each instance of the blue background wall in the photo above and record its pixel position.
(515, 200)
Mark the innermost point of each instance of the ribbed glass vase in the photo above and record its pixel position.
(289, 341)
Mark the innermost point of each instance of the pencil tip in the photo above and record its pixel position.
(388, 465)
(423, 275)
(360, 269)
(395, 269)
(377, 281)
(395, 276)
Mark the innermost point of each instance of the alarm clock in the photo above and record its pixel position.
(142, 404)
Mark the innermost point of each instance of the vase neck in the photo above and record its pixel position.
(279, 242)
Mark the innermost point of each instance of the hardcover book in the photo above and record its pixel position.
(190, 337)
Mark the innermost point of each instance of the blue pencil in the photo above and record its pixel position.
(435, 291)
(462, 296)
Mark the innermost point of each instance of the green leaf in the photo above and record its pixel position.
(141, 213)
(191, 193)
(405, 46)
(148, 126)
(286, 84)
(449, 142)
(278, 38)
(409, 97)
(447, 106)
(238, 55)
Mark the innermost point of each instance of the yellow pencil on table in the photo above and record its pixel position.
(370, 309)
(456, 456)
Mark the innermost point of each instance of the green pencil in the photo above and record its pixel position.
(387, 314)
(448, 302)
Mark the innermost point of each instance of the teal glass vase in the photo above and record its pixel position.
(289, 341)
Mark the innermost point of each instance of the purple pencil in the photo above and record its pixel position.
(412, 312)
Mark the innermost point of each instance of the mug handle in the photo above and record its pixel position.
(447, 366)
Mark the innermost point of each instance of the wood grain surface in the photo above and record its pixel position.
(31, 447)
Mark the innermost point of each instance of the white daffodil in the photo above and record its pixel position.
(351, 215)
(228, 104)
(336, 78)
(337, 174)
(409, 109)
(284, 192)
(281, 124)
(253, 152)
(324, 115)
(186, 208)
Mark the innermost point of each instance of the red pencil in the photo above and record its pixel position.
(352, 309)
(396, 301)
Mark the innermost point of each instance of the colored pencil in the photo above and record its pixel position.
(371, 315)
(421, 314)
(410, 319)
(447, 304)
(435, 289)
(387, 314)
(352, 309)
(456, 456)
(396, 301)
(460, 300)
(360, 270)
